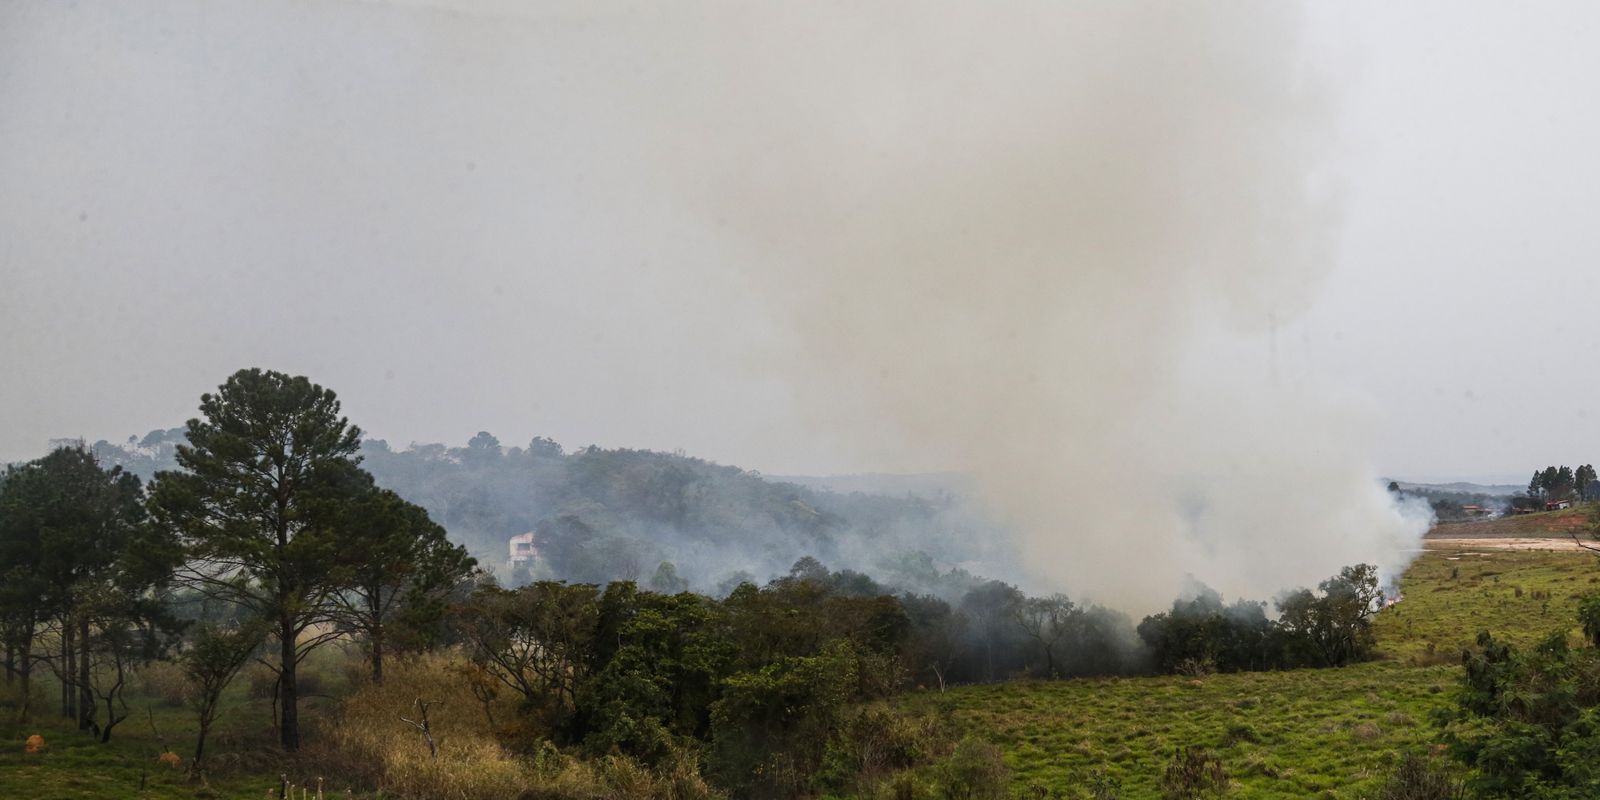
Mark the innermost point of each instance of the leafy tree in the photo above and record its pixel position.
(1336, 626)
(1048, 621)
(938, 637)
(22, 588)
(212, 659)
(78, 553)
(482, 450)
(771, 725)
(396, 561)
(1564, 483)
(266, 471)
(537, 640)
(990, 608)
(129, 624)
(1201, 634)
(658, 664)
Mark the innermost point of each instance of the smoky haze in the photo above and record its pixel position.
(1055, 270)
(1051, 247)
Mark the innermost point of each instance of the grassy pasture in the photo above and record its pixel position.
(242, 751)
(1295, 734)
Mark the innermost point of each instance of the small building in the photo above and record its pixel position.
(522, 550)
(1474, 511)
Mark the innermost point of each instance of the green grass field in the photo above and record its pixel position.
(1305, 733)
(244, 759)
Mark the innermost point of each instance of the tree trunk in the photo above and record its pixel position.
(86, 701)
(377, 654)
(25, 679)
(65, 670)
(289, 722)
(197, 765)
(11, 662)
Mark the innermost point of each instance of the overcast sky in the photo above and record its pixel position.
(469, 216)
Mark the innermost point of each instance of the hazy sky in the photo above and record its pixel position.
(470, 216)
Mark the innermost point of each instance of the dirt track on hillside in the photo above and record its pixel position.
(1498, 543)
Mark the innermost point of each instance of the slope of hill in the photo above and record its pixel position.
(1545, 524)
(599, 515)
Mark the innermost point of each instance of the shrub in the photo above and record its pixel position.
(1240, 732)
(1527, 723)
(262, 681)
(375, 749)
(1589, 617)
(165, 681)
(1418, 778)
(1192, 774)
(900, 786)
(975, 771)
(876, 741)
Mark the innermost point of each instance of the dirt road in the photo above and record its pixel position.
(1499, 543)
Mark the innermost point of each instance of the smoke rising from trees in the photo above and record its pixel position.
(1054, 250)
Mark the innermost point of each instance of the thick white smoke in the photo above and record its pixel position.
(1049, 244)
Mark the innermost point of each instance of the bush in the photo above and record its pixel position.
(1589, 617)
(165, 682)
(900, 786)
(1193, 773)
(372, 746)
(1527, 722)
(975, 771)
(875, 742)
(1417, 778)
(262, 681)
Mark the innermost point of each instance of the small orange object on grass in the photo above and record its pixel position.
(170, 758)
(35, 744)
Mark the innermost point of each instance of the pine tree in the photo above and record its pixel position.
(265, 474)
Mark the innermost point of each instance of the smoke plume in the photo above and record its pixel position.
(1054, 245)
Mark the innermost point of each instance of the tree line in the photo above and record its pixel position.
(1561, 482)
(269, 518)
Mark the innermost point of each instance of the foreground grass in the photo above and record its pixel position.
(1304, 733)
(245, 760)
(1281, 734)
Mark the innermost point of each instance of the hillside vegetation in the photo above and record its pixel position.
(600, 515)
(1544, 524)
(1294, 734)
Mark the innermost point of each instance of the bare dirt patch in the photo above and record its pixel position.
(1468, 545)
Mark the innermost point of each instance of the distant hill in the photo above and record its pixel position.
(1463, 487)
(599, 515)
(924, 484)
